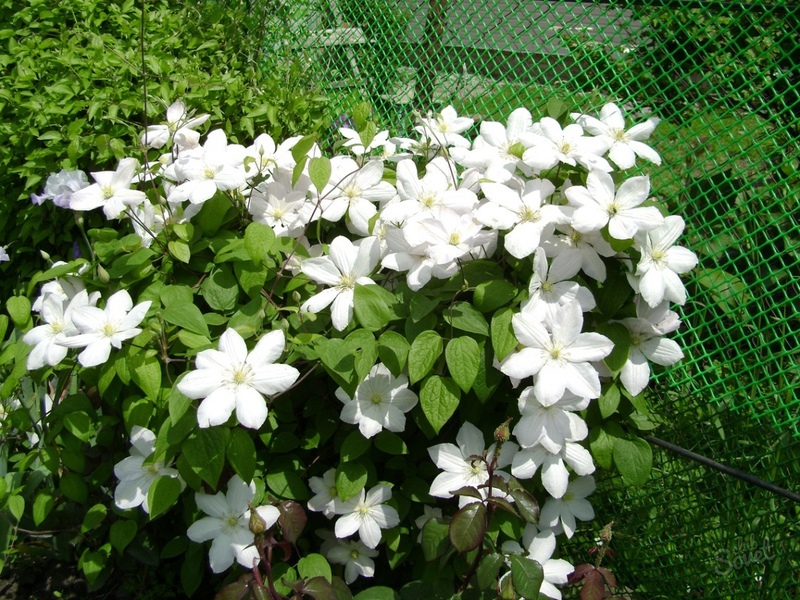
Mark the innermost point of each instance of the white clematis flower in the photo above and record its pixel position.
(465, 465)
(179, 127)
(353, 554)
(525, 216)
(111, 190)
(231, 378)
(647, 343)
(662, 262)
(558, 359)
(366, 514)
(344, 267)
(228, 525)
(555, 476)
(625, 146)
(102, 329)
(549, 425)
(540, 546)
(326, 496)
(135, 478)
(216, 165)
(560, 513)
(599, 204)
(46, 339)
(380, 401)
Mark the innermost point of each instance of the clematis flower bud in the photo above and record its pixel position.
(502, 434)
(257, 523)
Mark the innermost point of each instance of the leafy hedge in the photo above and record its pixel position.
(73, 93)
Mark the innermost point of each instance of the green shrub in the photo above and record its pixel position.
(79, 83)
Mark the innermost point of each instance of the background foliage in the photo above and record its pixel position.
(73, 91)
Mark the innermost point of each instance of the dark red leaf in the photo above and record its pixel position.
(609, 576)
(467, 491)
(504, 504)
(293, 520)
(593, 586)
(580, 572)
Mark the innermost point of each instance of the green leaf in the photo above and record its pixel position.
(122, 534)
(426, 348)
(162, 495)
(186, 315)
(220, 290)
(314, 565)
(241, 454)
(503, 340)
(613, 294)
(439, 397)
(249, 319)
(468, 527)
(184, 231)
(42, 507)
(634, 460)
(16, 506)
(78, 424)
(464, 316)
(258, 240)
(435, 539)
(146, 373)
(527, 576)
(19, 309)
(421, 306)
(462, 355)
(491, 295)
(601, 443)
(621, 337)
(370, 310)
(319, 171)
(73, 487)
(377, 593)
(286, 483)
(94, 516)
(180, 250)
(351, 477)
(354, 446)
(178, 404)
(526, 504)
(192, 569)
(303, 146)
(172, 295)
(393, 351)
(214, 214)
(609, 401)
(391, 443)
(205, 452)
(92, 564)
(488, 570)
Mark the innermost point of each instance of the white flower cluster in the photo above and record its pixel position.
(472, 197)
(72, 320)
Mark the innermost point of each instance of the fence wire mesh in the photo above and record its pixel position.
(724, 78)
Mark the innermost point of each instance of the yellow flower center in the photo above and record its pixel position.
(376, 399)
(109, 330)
(108, 192)
(528, 215)
(455, 239)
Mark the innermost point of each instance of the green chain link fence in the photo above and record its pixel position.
(724, 78)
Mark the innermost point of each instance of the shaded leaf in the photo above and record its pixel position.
(527, 575)
(468, 527)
